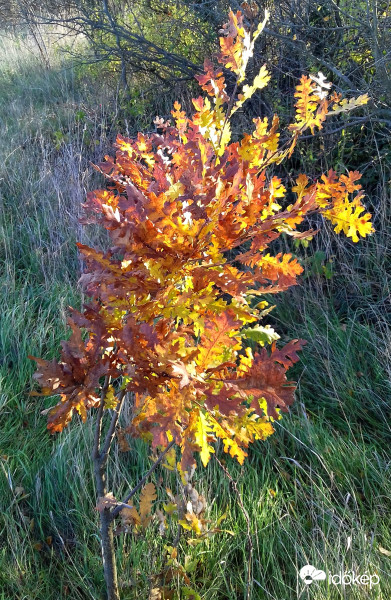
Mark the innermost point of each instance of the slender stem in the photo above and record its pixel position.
(229, 109)
(118, 508)
(177, 537)
(108, 555)
(99, 419)
(104, 454)
(100, 460)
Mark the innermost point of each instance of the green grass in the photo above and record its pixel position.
(318, 491)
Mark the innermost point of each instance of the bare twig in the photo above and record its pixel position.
(104, 454)
(140, 484)
(99, 419)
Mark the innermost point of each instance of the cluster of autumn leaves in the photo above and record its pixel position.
(175, 310)
(181, 513)
(185, 508)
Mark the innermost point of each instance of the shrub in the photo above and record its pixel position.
(178, 299)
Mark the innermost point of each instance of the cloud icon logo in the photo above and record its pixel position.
(309, 574)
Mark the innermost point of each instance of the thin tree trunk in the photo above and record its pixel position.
(108, 555)
(99, 458)
(106, 535)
